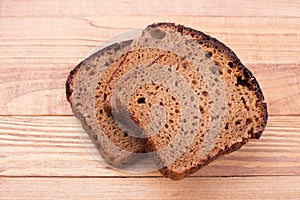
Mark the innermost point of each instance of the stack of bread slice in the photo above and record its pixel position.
(173, 93)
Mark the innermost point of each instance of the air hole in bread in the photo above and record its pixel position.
(208, 54)
(141, 100)
(227, 126)
(201, 109)
(238, 122)
(245, 104)
(192, 98)
(213, 69)
(250, 132)
(184, 65)
(230, 64)
(257, 103)
(78, 104)
(157, 34)
(220, 68)
(217, 91)
(95, 137)
(92, 73)
(248, 121)
(204, 93)
(242, 82)
(125, 133)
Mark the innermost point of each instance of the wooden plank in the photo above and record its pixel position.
(34, 62)
(30, 90)
(281, 187)
(280, 85)
(57, 146)
(32, 40)
(50, 157)
(40, 89)
(251, 8)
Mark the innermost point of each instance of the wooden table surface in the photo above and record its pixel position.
(43, 154)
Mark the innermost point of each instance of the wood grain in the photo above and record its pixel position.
(35, 64)
(255, 40)
(41, 90)
(44, 154)
(278, 187)
(253, 8)
(57, 146)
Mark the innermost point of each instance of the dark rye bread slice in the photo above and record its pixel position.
(190, 94)
(113, 144)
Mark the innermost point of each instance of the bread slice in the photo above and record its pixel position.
(190, 96)
(113, 144)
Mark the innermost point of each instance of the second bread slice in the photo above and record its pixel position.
(115, 146)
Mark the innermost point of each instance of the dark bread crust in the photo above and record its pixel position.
(212, 44)
(70, 82)
(176, 176)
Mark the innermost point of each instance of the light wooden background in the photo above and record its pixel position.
(43, 155)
